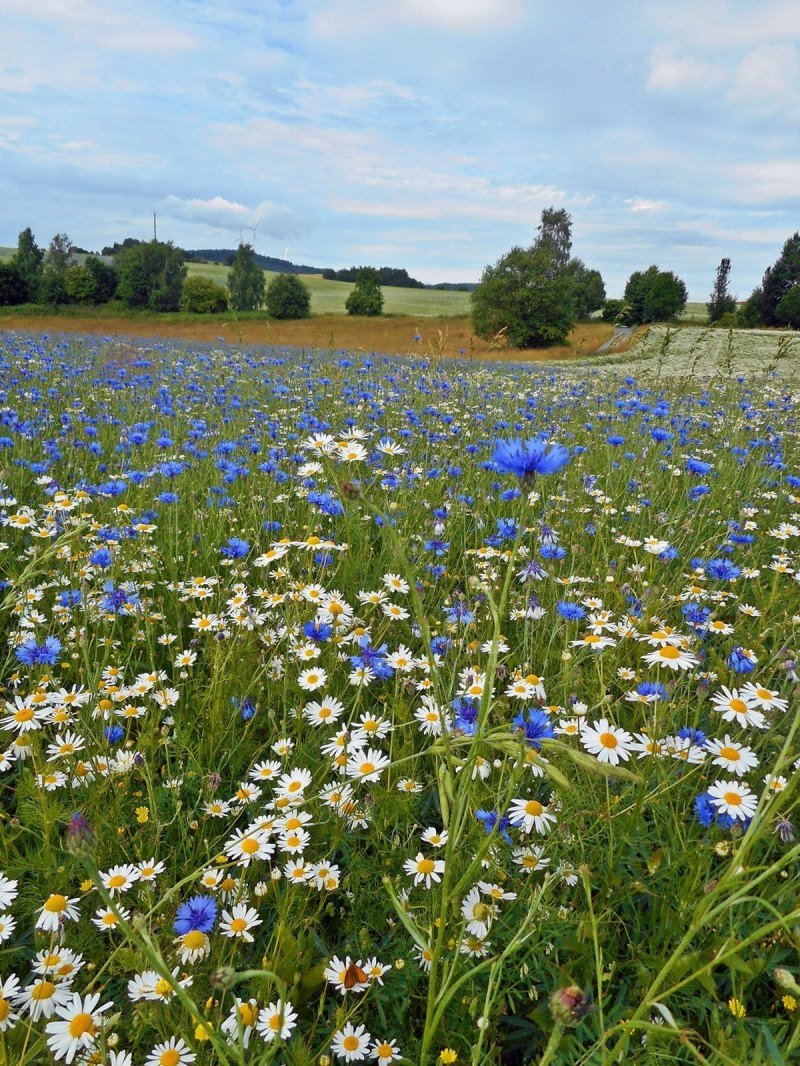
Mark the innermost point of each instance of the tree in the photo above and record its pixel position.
(52, 285)
(28, 262)
(788, 310)
(288, 297)
(80, 285)
(555, 232)
(654, 295)
(618, 312)
(588, 290)
(526, 296)
(13, 288)
(105, 279)
(203, 296)
(151, 276)
(778, 279)
(721, 302)
(366, 298)
(246, 280)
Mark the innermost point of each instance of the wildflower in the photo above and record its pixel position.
(174, 1052)
(350, 1043)
(276, 1021)
(607, 742)
(199, 913)
(346, 976)
(9, 989)
(242, 1018)
(77, 1028)
(526, 459)
(568, 1006)
(736, 1007)
(733, 798)
(385, 1052)
(239, 921)
(56, 910)
(530, 814)
(448, 1055)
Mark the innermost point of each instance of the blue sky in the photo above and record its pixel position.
(426, 134)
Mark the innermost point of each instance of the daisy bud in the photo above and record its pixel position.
(786, 980)
(80, 836)
(224, 977)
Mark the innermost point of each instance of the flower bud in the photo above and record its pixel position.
(568, 1006)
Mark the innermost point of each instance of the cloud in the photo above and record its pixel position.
(338, 19)
(218, 213)
(638, 204)
(671, 72)
(767, 181)
(769, 74)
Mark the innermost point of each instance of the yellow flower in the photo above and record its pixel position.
(736, 1007)
(87, 885)
(448, 1055)
(203, 1032)
(142, 815)
(789, 1002)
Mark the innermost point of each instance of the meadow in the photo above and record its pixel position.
(396, 710)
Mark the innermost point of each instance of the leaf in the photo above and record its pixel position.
(594, 766)
(666, 1014)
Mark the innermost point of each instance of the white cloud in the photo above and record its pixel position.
(672, 72)
(339, 18)
(218, 213)
(770, 73)
(776, 179)
(638, 204)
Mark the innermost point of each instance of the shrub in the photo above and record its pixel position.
(788, 310)
(13, 289)
(366, 298)
(245, 280)
(202, 296)
(288, 297)
(617, 311)
(80, 285)
(151, 276)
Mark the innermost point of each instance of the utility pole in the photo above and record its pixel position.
(155, 234)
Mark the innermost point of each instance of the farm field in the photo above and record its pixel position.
(395, 335)
(400, 710)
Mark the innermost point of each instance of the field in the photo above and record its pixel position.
(337, 726)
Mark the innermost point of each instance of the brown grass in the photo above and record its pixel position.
(391, 335)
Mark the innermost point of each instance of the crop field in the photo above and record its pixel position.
(701, 352)
(400, 710)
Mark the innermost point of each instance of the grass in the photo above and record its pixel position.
(394, 335)
(291, 633)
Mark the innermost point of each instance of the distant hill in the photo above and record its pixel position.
(266, 262)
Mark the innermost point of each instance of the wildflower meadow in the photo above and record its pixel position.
(368, 709)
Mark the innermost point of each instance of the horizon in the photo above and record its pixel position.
(428, 136)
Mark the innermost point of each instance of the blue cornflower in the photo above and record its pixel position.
(113, 734)
(704, 809)
(319, 632)
(536, 727)
(101, 557)
(118, 599)
(491, 820)
(200, 913)
(697, 466)
(32, 654)
(466, 712)
(526, 459)
(722, 569)
(571, 611)
(696, 736)
(373, 659)
(652, 688)
(742, 661)
(236, 548)
(459, 613)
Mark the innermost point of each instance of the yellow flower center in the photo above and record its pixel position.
(670, 652)
(25, 714)
(425, 866)
(5, 1009)
(250, 845)
(170, 1057)
(733, 799)
(82, 1023)
(367, 768)
(238, 925)
(739, 706)
(534, 808)
(731, 754)
(194, 939)
(248, 1014)
(117, 881)
(56, 904)
(608, 740)
(163, 987)
(43, 990)
(350, 1043)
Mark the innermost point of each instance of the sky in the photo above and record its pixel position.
(425, 134)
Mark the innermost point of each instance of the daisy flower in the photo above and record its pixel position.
(119, 879)
(172, 1053)
(247, 845)
(193, 946)
(672, 657)
(108, 918)
(313, 678)
(607, 742)
(736, 706)
(56, 910)
(733, 798)
(8, 892)
(367, 765)
(323, 712)
(763, 697)
(435, 837)
(242, 1019)
(530, 814)
(350, 1043)
(336, 972)
(42, 996)
(276, 1021)
(385, 1052)
(77, 1027)
(732, 756)
(9, 988)
(530, 858)
(424, 870)
(476, 913)
(238, 922)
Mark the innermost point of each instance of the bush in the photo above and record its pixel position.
(288, 297)
(105, 279)
(730, 320)
(151, 276)
(202, 296)
(654, 295)
(245, 280)
(788, 310)
(13, 288)
(366, 298)
(616, 311)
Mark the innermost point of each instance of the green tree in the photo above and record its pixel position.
(203, 296)
(618, 312)
(779, 279)
(788, 310)
(555, 233)
(588, 290)
(105, 278)
(526, 296)
(13, 288)
(80, 285)
(654, 295)
(246, 283)
(721, 302)
(151, 276)
(28, 261)
(288, 297)
(366, 298)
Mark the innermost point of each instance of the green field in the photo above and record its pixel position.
(328, 297)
